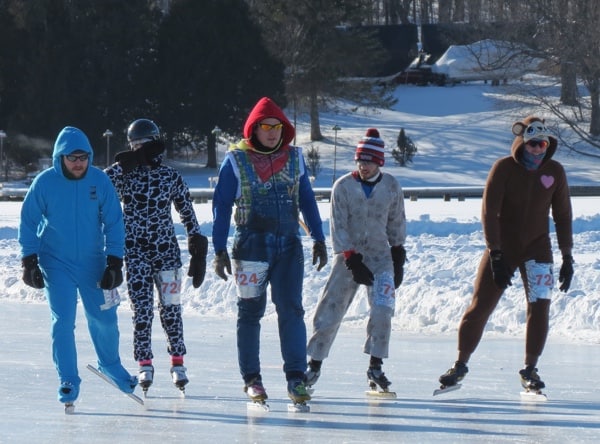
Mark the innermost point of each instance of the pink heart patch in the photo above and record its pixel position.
(547, 181)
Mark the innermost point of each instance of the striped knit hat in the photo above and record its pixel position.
(371, 148)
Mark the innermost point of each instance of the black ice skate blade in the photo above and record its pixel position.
(533, 396)
(446, 389)
(69, 408)
(380, 394)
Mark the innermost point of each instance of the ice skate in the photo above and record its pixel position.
(299, 395)
(67, 394)
(179, 377)
(530, 380)
(454, 375)
(311, 376)
(257, 394)
(379, 384)
(533, 385)
(146, 377)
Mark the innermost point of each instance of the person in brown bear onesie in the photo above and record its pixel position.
(519, 193)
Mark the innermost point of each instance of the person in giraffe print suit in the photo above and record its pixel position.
(148, 190)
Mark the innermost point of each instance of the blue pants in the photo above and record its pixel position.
(62, 287)
(284, 271)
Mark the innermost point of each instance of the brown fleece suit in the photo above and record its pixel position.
(516, 206)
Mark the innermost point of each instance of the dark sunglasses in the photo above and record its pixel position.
(541, 143)
(74, 157)
(269, 127)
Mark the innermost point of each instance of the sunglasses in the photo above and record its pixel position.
(75, 158)
(541, 143)
(269, 127)
(137, 143)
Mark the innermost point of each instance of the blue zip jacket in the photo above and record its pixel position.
(71, 222)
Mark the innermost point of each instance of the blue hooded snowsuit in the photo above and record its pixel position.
(72, 225)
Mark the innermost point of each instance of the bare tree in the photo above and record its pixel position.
(570, 37)
(318, 48)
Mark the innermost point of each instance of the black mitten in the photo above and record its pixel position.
(150, 152)
(32, 275)
(360, 272)
(198, 248)
(319, 254)
(398, 257)
(500, 270)
(129, 160)
(566, 272)
(113, 275)
(222, 263)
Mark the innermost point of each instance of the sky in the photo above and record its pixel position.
(459, 131)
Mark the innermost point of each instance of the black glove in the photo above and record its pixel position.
(360, 272)
(222, 263)
(129, 160)
(500, 270)
(150, 152)
(113, 276)
(566, 272)
(198, 248)
(319, 254)
(32, 275)
(398, 257)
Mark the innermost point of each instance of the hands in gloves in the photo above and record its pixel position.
(32, 275)
(129, 160)
(150, 152)
(147, 154)
(566, 272)
(198, 248)
(501, 272)
(398, 257)
(360, 272)
(113, 275)
(222, 263)
(319, 254)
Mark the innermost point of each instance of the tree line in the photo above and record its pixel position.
(193, 65)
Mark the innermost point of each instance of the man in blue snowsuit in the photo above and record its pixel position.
(265, 177)
(72, 239)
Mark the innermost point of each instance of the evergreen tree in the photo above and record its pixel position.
(212, 68)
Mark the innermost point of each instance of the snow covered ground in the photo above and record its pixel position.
(459, 132)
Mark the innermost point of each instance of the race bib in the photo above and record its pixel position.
(111, 298)
(385, 294)
(169, 287)
(250, 278)
(540, 280)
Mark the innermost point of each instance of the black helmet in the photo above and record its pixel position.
(143, 129)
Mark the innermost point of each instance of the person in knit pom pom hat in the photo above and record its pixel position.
(368, 230)
(371, 148)
(521, 191)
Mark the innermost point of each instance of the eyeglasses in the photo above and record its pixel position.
(269, 127)
(75, 158)
(543, 144)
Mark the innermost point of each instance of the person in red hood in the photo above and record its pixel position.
(521, 190)
(266, 179)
